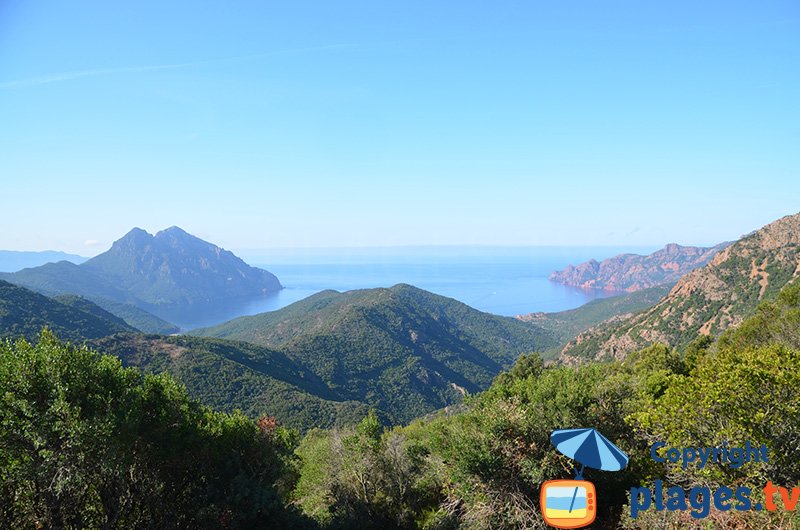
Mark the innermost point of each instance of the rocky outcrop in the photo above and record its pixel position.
(634, 272)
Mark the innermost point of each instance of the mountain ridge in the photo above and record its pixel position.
(707, 300)
(634, 272)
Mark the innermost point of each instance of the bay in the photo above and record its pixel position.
(503, 281)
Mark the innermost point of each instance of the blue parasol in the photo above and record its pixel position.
(589, 448)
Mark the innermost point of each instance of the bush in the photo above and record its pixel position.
(86, 443)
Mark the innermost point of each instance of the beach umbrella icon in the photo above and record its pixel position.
(589, 448)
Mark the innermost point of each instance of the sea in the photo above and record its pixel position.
(504, 281)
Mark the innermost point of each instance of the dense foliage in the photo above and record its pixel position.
(403, 351)
(229, 375)
(86, 443)
(23, 313)
(482, 467)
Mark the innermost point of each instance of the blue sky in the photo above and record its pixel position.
(326, 124)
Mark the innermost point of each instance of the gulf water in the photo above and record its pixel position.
(503, 281)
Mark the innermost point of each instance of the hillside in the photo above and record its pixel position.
(708, 300)
(228, 375)
(403, 350)
(566, 325)
(64, 277)
(23, 313)
(136, 317)
(633, 272)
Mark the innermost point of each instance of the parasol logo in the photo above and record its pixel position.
(573, 503)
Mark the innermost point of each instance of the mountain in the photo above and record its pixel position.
(14, 260)
(177, 268)
(708, 300)
(402, 350)
(24, 313)
(633, 272)
(230, 375)
(170, 269)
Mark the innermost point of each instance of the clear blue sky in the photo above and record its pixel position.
(307, 124)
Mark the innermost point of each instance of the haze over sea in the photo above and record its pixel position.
(500, 280)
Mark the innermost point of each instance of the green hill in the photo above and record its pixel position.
(402, 350)
(23, 313)
(231, 375)
(707, 301)
(64, 277)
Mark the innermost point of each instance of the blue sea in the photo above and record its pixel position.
(503, 281)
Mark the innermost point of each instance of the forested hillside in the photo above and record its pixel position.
(138, 451)
(402, 350)
(23, 313)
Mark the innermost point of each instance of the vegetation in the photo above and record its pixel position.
(290, 427)
(565, 325)
(66, 279)
(482, 467)
(402, 350)
(23, 313)
(229, 375)
(86, 443)
(137, 317)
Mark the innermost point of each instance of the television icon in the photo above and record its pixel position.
(568, 503)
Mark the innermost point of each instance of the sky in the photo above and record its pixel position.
(268, 124)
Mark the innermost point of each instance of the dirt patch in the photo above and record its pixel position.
(759, 271)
